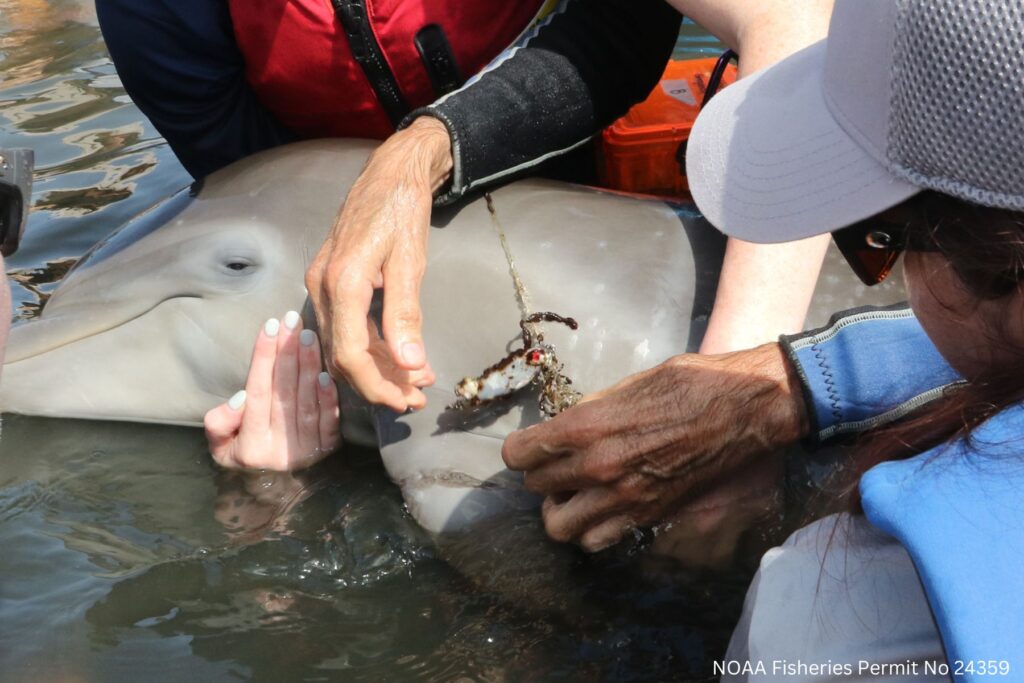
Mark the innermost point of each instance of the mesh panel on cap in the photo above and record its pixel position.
(957, 119)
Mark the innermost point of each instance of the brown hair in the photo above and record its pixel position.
(984, 247)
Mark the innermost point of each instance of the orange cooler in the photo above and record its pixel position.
(637, 153)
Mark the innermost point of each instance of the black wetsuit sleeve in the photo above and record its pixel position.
(581, 71)
(180, 64)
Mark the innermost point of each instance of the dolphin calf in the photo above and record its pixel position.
(156, 324)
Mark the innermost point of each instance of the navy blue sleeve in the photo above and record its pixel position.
(865, 368)
(180, 64)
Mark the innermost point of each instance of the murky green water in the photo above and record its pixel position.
(126, 555)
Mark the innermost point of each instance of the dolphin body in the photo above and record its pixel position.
(156, 324)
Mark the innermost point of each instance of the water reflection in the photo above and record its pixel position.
(125, 546)
(98, 162)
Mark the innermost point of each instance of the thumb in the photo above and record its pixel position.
(402, 317)
(222, 424)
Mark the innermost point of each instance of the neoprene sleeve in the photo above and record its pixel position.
(867, 367)
(581, 70)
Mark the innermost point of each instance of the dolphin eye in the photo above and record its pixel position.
(238, 265)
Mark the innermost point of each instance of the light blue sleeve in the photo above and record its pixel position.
(865, 368)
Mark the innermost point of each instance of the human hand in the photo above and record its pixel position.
(287, 417)
(631, 454)
(379, 240)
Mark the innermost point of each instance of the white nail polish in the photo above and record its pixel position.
(306, 337)
(291, 320)
(272, 327)
(237, 401)
(324, 379)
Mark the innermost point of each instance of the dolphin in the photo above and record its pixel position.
(156, 323)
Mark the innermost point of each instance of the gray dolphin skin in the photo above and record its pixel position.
(157, 323)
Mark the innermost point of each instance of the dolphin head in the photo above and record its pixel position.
(157, 323)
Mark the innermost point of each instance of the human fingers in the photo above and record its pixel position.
(314, 281)
(259, 385)
(607, 533)
(400, 385)
(307, 417)
(567, 520)
(352, 331)
(330, 413)
(573, 471)
(402, 319)
(221, 425)
(571, 431)
(284, 405)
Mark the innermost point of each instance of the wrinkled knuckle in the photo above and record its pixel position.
(579, 432)
(314, 274)
(631, 488)
(343, 359)
(247, 461)
(417, 267)
(409, 317)
(556, 531)
(599, 470)
(341, 274)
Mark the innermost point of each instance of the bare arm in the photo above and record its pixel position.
(764, 290)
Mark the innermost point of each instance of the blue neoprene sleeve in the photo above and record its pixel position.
(865, 368)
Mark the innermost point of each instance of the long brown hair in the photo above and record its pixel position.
(984, 247)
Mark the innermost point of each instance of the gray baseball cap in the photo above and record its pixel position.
(903, 95)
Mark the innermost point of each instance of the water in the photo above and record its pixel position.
(128, 556)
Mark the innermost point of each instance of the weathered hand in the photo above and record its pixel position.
(631, 454)
(287, 417)
(380, 241)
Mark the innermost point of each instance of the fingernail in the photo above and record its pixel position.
(237, 401)
(271, 327)
(306, 337)
(324, 379)
(291, 320)
(412, 353)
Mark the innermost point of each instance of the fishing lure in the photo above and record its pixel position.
(534, 363)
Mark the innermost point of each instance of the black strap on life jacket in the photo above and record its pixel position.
(367, 53)
(438, 59)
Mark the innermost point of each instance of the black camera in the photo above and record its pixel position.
(15, 196)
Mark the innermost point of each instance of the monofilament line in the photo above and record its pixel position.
(522, 297)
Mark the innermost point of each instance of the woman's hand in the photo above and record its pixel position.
(632, 454)
(287, 416)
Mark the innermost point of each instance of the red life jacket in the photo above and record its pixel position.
(355, 68)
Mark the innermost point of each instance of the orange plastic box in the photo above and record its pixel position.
(637, 153)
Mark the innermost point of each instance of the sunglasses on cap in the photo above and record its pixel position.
(872, 247)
